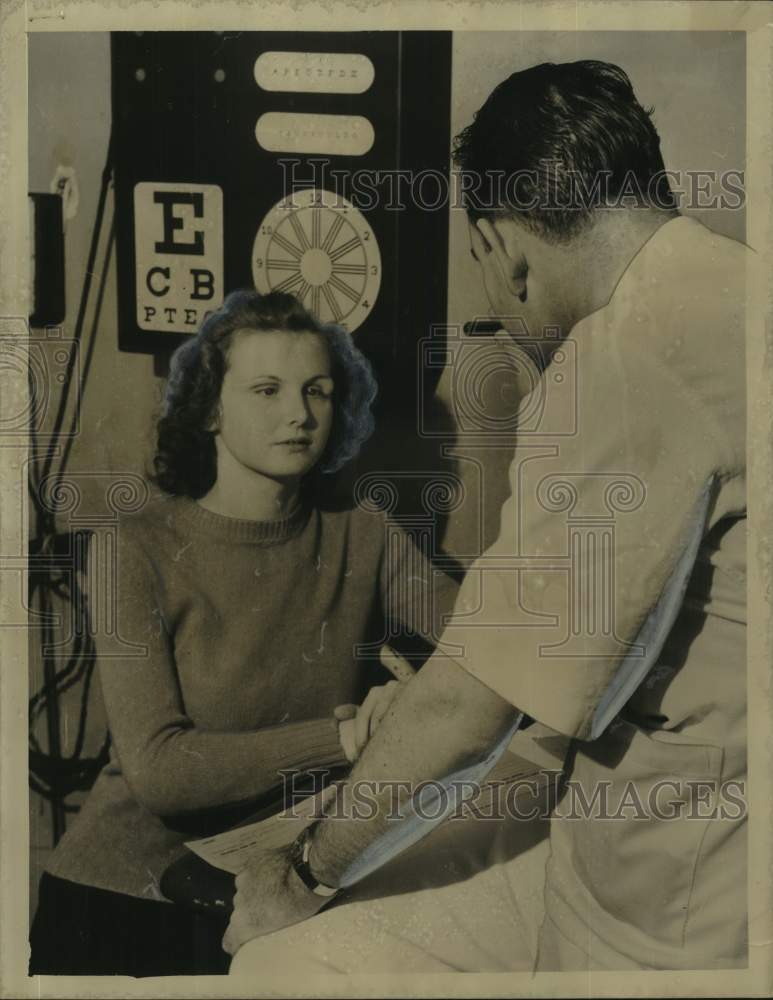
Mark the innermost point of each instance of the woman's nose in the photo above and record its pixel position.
(298, 411)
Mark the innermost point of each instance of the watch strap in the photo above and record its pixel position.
(299, 858)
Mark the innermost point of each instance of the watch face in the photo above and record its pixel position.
(320, 248)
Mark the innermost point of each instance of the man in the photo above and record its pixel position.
(611, 608)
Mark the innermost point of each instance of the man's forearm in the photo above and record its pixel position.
(443, 724)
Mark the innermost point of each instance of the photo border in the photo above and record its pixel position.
(16, 19)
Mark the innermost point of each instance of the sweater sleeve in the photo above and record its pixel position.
(170, 765)
(416, 596)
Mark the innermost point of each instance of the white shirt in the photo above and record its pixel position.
(579, 607)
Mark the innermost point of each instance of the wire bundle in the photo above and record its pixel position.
(58, 562)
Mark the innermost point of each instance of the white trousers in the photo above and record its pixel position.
(468, 898)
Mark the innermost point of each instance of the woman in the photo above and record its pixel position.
(241, 605)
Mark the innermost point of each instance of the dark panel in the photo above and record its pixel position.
(48, 254)
(185, 107)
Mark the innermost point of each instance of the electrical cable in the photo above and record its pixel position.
(90, 268)
(89, 354)
(51, 775)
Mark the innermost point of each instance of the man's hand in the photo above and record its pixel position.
(269, 896)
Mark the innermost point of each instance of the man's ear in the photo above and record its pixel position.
(512, 263)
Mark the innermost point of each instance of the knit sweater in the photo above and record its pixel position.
(240, 639)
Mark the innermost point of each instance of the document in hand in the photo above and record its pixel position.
(231, 851)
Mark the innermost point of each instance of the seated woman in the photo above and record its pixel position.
(241, 604)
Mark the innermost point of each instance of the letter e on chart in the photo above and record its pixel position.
(178, 243)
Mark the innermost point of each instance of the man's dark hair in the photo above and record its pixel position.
(554, 142)
(186, 461)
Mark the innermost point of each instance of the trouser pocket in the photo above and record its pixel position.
(629, 833)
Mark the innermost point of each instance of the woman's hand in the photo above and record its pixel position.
(356, 725)
(346, 715)
(372, 711)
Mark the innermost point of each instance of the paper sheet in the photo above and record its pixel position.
(231, 851)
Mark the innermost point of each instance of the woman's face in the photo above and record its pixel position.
(276, 402)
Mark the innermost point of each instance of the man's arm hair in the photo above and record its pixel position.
(446, 725)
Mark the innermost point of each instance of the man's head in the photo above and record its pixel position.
(561, 165)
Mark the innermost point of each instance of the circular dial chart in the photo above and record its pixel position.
(317, 246)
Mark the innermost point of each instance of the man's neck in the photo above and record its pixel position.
(609, 249)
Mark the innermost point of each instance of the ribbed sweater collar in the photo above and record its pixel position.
(237, 530)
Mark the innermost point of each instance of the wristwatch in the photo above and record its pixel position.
(299, 859)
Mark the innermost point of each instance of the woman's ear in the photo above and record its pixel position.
(213, 425)
(510, 261)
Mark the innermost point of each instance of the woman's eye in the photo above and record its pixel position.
(316, 390)
(266, 390)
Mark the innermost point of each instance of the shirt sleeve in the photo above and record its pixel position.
(170, 765)
(569, 608)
